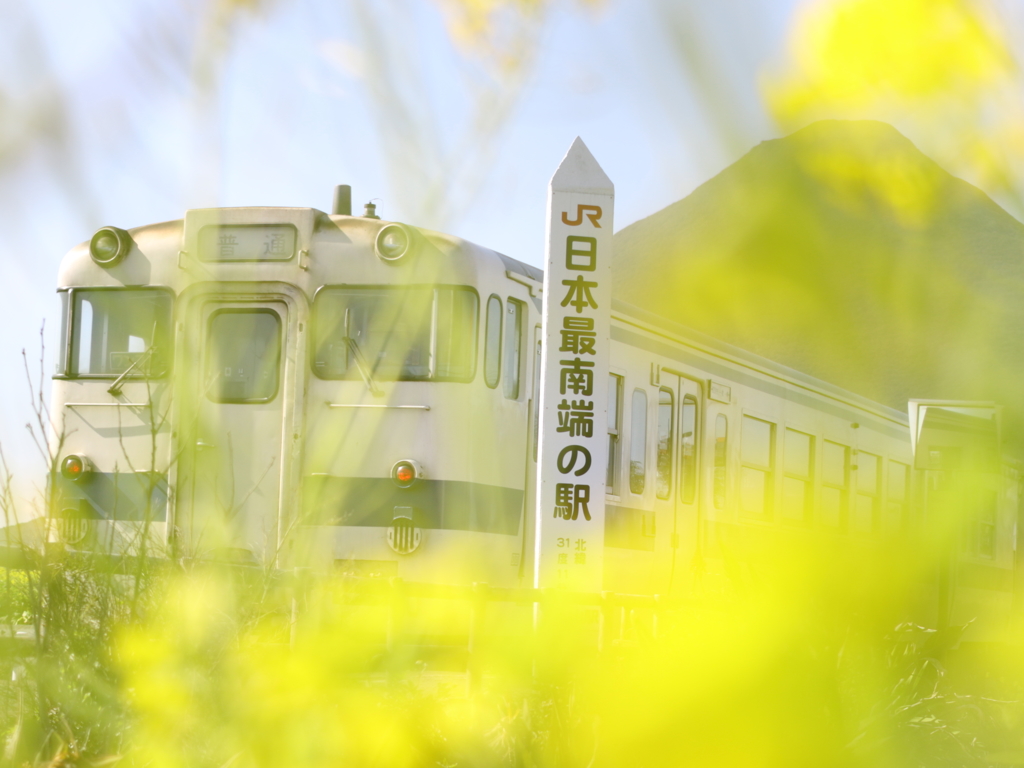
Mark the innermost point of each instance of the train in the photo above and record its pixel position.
(283, 386)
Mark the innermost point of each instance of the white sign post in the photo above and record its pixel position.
(573, 455)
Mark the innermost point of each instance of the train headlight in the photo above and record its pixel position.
(109, 246)
(406, 472)
(393, 242)
(75, 467)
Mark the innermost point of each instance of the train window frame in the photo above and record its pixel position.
(512, 383)
(807, 480)
(68, 334)
(664, 457)
(64, 349)
(720, 478)
(844, 489)
(475, 336)
(872, 496)
(280, 353)
(538, 357)
(765, 470)
(638, 447)
(498, 348)
(616, 388)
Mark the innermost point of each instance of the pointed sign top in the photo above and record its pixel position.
(579, 172)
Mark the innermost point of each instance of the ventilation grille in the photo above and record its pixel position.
(72, 530)
(403, 536)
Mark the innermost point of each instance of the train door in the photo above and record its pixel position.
(233, 451)
(675, 505)
(686, 561)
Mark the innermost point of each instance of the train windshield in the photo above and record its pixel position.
(113, 330)
(396, 334)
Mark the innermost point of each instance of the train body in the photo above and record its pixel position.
(284, 386)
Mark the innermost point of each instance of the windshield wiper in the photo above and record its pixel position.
(357, 355)
(115, 388)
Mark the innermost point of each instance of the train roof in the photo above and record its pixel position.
(519, 268)
(717, 348)
(843, 252)
(175, 254)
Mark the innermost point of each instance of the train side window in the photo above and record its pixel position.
(835, 483)
(898, 497)
(243, 356)
(869, 478)
(663, 467)
(638, 442)
(611, 482)
(757, 454)
(981, 534)
(987, 527)
(721, 458)
(492, 343)
(688, 451)
(798, 477)
(514, 316)
(82, 358)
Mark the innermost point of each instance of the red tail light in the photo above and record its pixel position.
(405, 473)
(74, 467)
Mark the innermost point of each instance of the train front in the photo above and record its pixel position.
(416, 414)
(280, 386)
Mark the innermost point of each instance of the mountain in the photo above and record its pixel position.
(844, 252)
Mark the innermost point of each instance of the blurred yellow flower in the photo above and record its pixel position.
(940, 70)
(855, 53)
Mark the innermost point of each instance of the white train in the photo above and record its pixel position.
(285, 386)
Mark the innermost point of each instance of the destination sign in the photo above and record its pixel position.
(247, 242)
